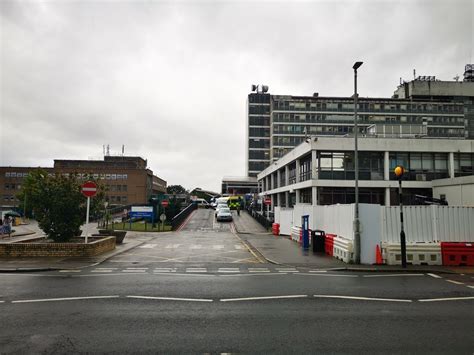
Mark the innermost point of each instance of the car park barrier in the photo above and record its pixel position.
(457, 254)
(276, 229)
(329, 244)
(343, 249)
(296, 234)
(417, 253)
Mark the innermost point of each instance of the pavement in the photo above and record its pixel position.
(283, 251)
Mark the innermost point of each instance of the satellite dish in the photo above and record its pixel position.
(264, 88)
(254, 87)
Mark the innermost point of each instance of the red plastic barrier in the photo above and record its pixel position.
(329, 244)
(457, 254)
(276, 229)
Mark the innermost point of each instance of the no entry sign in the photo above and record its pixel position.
(165, 203)
(89, 189)
(267, 201)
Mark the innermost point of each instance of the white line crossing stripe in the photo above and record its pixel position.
(258, 270)
(172, 299)
(147, 246)
(195, 246)
(172, 246)
(262, 298)
(102, 270)
(228, 269)
(394, 275)
(447, 299)
(362, 298)
(106, 268)
(326, 275)
(318, 271)
(134, 271)
(70, 270)
(455, 282)
(196, 269)
(137, 268)
(65, 299)
(434, 275)
(2, 301)
(293, 271)
(217, 247)
(164, 269)
(238, 247)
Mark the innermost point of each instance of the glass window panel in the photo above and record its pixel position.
(338, 161)
(415, 161)
(441, 161)
(427, 161)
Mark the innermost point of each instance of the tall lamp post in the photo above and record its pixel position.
(356, 164)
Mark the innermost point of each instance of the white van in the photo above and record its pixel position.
(201, 202)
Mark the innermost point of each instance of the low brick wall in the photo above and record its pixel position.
(29, 249)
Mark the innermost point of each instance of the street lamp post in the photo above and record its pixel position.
(356, 163)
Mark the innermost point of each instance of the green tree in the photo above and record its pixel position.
(176, 189)
(57, 203)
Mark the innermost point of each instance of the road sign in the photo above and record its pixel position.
(165, 203)
(89, 189)
(267, 201)
(141, 212)
(162, 217)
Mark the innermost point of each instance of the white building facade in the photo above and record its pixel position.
(320, 171)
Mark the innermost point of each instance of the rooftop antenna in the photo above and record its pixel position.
(123, 149)
(103, 149)
(414, 74)
(108, 150)
(456, 78)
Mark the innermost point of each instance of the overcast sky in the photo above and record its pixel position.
(169, 80)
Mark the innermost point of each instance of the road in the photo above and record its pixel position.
(224, 300)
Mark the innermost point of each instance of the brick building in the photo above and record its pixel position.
(127, 179)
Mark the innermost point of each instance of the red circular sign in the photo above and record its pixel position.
(89, 189)
(267, 201)
(165, 203)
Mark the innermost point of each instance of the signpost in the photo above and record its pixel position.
(88, 189)
(399, 171)
(164, 203)
(141, 212)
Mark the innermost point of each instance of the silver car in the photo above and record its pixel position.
(224, 214)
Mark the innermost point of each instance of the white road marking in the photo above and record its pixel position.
(195, 246)
(258, 270)
(470, 286)
(65, 299)
(318, 271)
(148, 246)
(228, 269)
(2, 301)
(238, 247)
(172, 299)
(164, 269)
(104, 275)
(279, 269)
(326, 275)
(102, 270)
(446, 299)
(172, 246)
(394, 275)
(254, 274)
(363, 298)
(434, 275)
(70, 270)
(261, 298)
(217, 247)
(455, 282)
(106, 268)
(196, 269)
(134, 271)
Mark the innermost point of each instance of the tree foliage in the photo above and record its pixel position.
(58, 204)
(176, 189)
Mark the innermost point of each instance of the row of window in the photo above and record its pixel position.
(9, 174)
(12, 186)
(313, 118)
(341, 166)
(366, 106)
(259, 132)
(259, 143)
(259, 121)
(121, 199)
(9, 198)
(113, 188)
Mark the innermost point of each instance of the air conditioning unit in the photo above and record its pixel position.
(420, 177)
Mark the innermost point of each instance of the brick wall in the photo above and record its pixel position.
(97, 247)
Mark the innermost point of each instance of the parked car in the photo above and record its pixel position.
(224, 214)
(201, 202)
